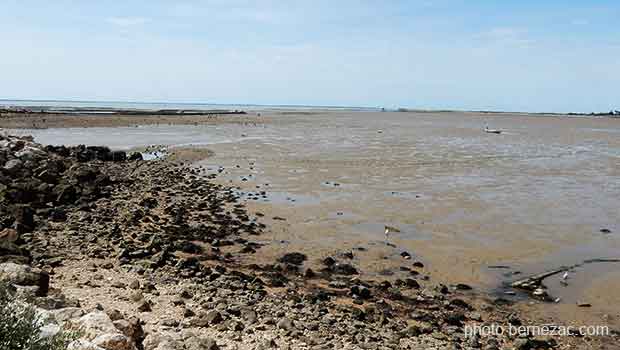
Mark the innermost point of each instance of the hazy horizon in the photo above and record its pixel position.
(522, 56)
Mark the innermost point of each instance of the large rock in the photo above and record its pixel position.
(93, 324)
(130, 328)
(293, 258)
(22, 275)
(114, 341)
(158, 341)
(65, 314)
(13, 166)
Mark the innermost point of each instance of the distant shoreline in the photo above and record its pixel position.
(148, 106)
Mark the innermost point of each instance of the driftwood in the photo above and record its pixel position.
(533, 282)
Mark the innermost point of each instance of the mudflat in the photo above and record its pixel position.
(476, 208)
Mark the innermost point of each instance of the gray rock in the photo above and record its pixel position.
(23, 275)
(196, 343)
(13, 166)
(285, 324)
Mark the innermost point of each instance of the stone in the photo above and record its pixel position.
(114, 341)
(65, 314)
(329, 261)
(135, 284)
(293, 258)
(343, 269)
(213, 317)
(144, 306)
(93, 324)
(249, 316)
(360, 291)
(136, 296)
(82, 344)
(23, 275)
(9, 235)
(199, 343)
(531, 344)
(285, 324)
(463, 286)
(13, 166)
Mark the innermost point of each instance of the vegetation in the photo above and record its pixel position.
(20, 326)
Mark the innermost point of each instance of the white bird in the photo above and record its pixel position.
(390, 229)
(565, 276)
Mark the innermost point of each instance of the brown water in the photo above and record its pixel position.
(532, 198)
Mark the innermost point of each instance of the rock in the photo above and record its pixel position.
(22, 275)
(249, 316)
(329, 261)
(188, 312)
(9, 235)
(118, 284)
(186, 294)
(168, 322)
(144, 306)
(136, 296)
(285, 324)
(114, 314)
(463, 286)
(411, 283)
(360, 291)
(135, 284)
(65, 314)
(213, 317)
(113, 341)
(24, 218)
(13, 166)
(82, 344)
(196, 343)
(460, 304)
(178, 301)
(531, 344)
(234, 325)
(293, 258)
(93, 324)
(343, 269)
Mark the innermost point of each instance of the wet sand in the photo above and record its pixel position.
(532, 198)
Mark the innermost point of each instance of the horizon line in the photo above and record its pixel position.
(412, 109)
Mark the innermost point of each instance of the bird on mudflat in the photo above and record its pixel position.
(390, 229)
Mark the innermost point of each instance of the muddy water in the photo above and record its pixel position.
(533, 198)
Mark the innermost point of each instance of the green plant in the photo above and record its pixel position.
(20, 326)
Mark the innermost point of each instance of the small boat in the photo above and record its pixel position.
(492, 131)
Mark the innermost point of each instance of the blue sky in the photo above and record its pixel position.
(527, 55)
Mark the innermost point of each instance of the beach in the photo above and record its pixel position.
(473, 208)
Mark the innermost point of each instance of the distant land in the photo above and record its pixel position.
(55, 105)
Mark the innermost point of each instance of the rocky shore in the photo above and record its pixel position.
(135, 254)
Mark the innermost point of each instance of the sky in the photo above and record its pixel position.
(517, 55)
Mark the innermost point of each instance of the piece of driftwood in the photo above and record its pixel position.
(533, 282)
